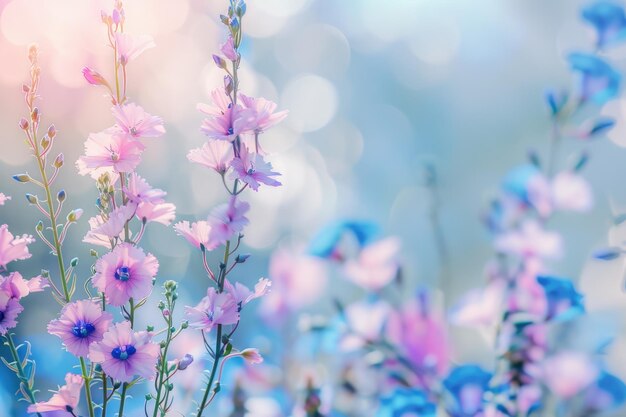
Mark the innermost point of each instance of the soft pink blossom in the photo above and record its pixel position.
(139, 191)
(108, 150)
(480, 307)
(125, 273)
(228, 49)
(243, 295)
(227, 219)
(530, 240)
(10, 308)
(220, 104)
(228, 125)
(567, 373)
(13, 248)
(130, 47)
(65, 399)
(94, 77)
(103, 231)
(376, 265)
(134, 122)
(163, 213)
(365, 321)
(124, 354)
(80, 324)
(264, 116)
(252, 356)
(251, 169)
(571, 191)
(216, 308)
(215, 154)
(18, 287)
(197, 234)
(4, 198)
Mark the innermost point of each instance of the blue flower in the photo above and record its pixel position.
(564, 302)
(519, 180)
(326, 241)
(467, 385)
(599, 82)
(406, 401)
(609, 21)
(607, 393)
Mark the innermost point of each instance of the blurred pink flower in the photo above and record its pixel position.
(197, 234)
(109, 150)
(530, 240)
(125, 273)
(4, 199)
(376, 265)
(81, 323)
(18, 287)
(13, 248)
(228, 49)
(420, 334)
(215, 154)
(124, 354)
(264, 116)
(129, 47)
(252, 355)
(567, 373)
(216, 308)
(480, 307)
(365, 322)
(251, 169)
(93, 77)
(227, 219)
(134, 122)
(571, 191)
(63, 401)
(10, 308)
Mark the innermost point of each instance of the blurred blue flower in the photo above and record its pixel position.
(406, 401)
(467, 385)
(607, 393)
(608, 19)
(564, 302)
(599, 82)
(325, 242)
(518, 182)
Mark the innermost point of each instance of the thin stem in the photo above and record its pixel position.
(105, 399)
(123, 399)
(87, 379)
(20, 370)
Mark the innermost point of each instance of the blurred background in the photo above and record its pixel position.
(377, 92)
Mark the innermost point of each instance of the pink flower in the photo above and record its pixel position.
(227, 219)
(480, 307)
(197, 234)
(365, 321)
(4, 199)
(18, 287)
(229, 124)
(64, 402)
(216, 308)
(130, 47)
(163, 213)
(109, 150)
(93, 77)
(221, 103)
(376, 266)
(215, 154)
(125, 273)
(251, 169)
(10, 308)
(228, 49)
(530, 240)
(570, 191)
(252, 356)
(242, 294)
(264, 116)
(139, 191)
(124, 354)
(134, 122)
(102, 232)
(81, 323)
(13, 248)
(567, 373)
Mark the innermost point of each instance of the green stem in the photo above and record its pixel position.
(105, 394)
(122, 400)
(163, 364)
(87, 379)
(20, 370)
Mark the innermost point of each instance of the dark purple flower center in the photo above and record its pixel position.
(230, 131)
(123, 352)
(83, 329)
(122, 273)
(133, 131)
(1, 315)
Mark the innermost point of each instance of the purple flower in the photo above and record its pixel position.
(81, 323)
(216, 308)
(251, 169)
(599, 82)
(227, 219)
(10, 308)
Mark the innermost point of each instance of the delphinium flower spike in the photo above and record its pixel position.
(234, 125)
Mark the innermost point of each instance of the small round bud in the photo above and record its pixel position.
(22, 178)
(74, 262)
(61, 196)
(161, 305)
(32, 199)
(24, 124)
(185, 362)
(148, 397)
(92, 252)
(34, 115)
(74, 215)
(149, 328)
(184, 325)
(39, 226)
(52, 131)
(219, 61)
(58, 161)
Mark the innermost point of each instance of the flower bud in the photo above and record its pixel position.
(39, 226)
(58, 161)
(252, 355)
(228, 84)
(219, 61)
(22, 178)
(185, 362)
(93, 253)
(24, 124)
(242, 258)
(184, 325)
(116, 17)
(25, 88)
(74, 215)
(148, 397)
(34, 115)
(240, 9)
(149, 328)
(52, 131)
(74, 262)
(61, 196)
(32, 199)
(93, 77)
(45, 142)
